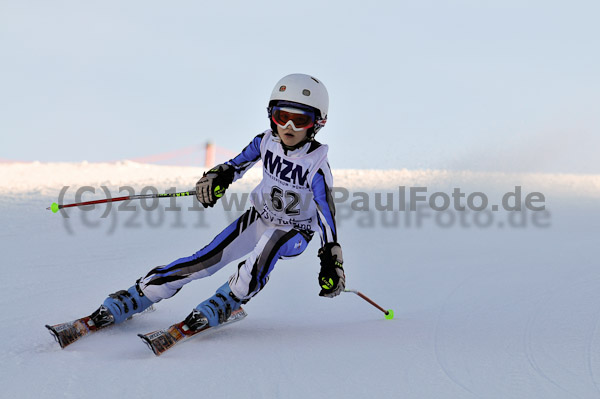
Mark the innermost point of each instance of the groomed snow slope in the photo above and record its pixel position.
(502, 309)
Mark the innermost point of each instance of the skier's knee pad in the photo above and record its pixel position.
(125, 303)
(218, 308)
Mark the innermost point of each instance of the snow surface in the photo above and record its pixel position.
(510, 310)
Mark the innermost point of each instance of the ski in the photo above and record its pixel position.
(162, 340)
(67, 333)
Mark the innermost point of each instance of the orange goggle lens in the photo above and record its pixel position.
(300, 119)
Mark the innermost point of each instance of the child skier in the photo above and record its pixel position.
(291, 202)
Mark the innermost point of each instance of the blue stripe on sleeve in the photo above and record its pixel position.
(325, 207)
(247, 158)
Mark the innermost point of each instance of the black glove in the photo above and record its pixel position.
(331, 278)
(213, 184)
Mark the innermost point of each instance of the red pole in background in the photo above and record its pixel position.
(209, 158)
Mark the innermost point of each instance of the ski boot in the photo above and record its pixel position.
(116, 308)
(120, 306)
(213, 311)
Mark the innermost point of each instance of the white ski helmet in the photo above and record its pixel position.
(302, 89)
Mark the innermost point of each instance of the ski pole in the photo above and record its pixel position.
(389, 314)
(56, 207)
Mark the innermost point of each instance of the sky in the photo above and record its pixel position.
(509, 86)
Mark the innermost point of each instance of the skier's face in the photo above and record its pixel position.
(289, 136)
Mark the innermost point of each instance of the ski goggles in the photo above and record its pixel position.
(297, 119)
